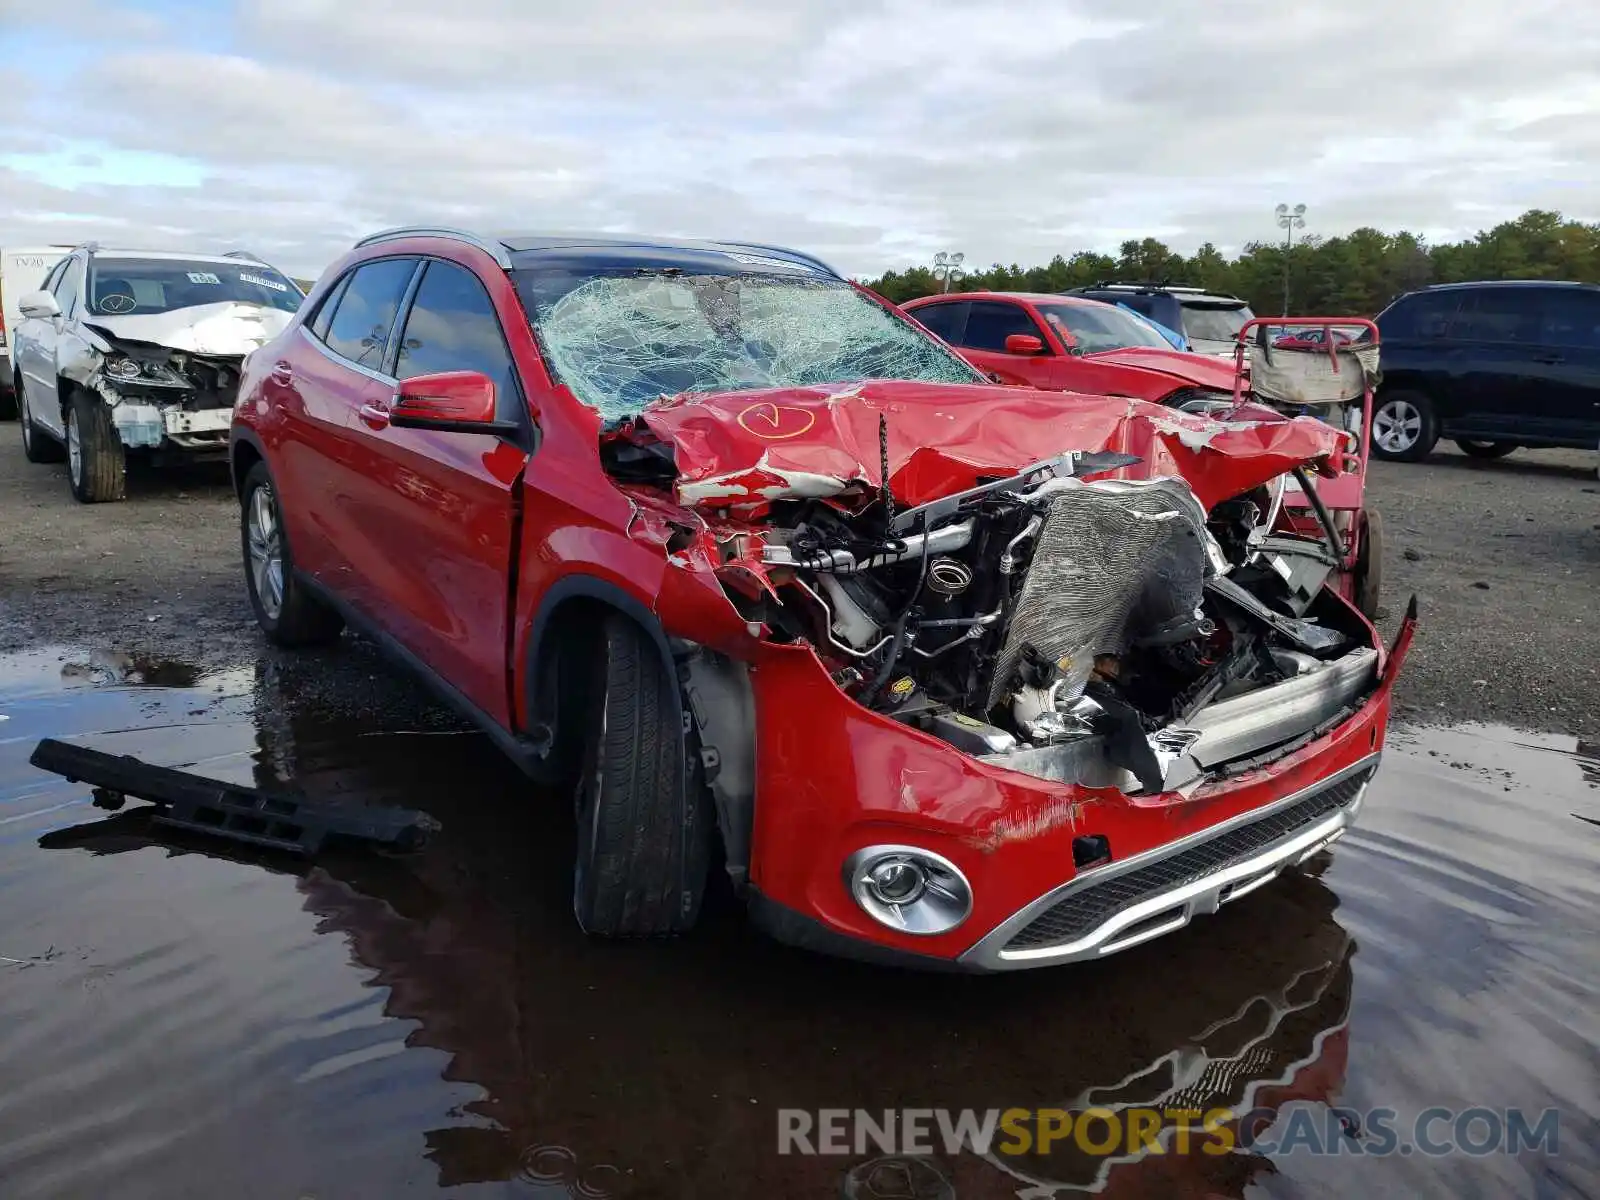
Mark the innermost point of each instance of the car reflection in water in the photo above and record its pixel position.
(657, 1069)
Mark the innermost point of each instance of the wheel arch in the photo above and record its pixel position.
(571, 610)
(711, 703)
(244, 452)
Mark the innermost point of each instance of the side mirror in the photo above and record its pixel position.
(39, 304)
(1024, 343)
(449, 402)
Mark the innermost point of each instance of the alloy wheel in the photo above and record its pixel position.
(74, 450)
(266, 551)
(1396, 426)
(27, 422)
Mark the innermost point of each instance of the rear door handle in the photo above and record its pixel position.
(375, 416)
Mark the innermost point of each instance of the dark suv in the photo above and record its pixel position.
(1492, 366)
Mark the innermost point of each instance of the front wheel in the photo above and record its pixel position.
(1404, 428)
(96, 462)
(288, 613)
(1476, 449)
(1369, 564)
(643, 820)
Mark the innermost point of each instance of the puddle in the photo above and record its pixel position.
(175, 1012)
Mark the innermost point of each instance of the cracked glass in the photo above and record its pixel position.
(623, 340)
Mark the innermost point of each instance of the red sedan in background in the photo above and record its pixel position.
(1068, 343)
(1310, 339)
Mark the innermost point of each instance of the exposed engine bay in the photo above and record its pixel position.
(1125, 615)
(171, 378)
(1097, 631)
(158, 393)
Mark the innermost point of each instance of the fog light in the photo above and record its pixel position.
(896, 881)
(914, 891)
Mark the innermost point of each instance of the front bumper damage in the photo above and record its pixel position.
(854, 781)
(170, 379)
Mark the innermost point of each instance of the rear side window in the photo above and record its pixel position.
(359, 329)
(1499, 315)
(989, 324)
(1423, 315)
(1214, 322)
(942, 319)
(1572, 319)
(319, 324)
(452, 326)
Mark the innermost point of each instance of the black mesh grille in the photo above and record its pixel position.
(1089, 906)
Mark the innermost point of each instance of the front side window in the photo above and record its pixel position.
(622, 336)
(67, 287)
(53, 280)
(140, 286)
(452, 326)
(1093, 327)
(359, 329)
(1572, 319)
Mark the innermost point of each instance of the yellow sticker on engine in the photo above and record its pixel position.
(902, 687)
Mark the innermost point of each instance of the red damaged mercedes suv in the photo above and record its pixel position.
(771, 581)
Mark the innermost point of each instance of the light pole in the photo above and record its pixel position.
(947, 268)
(1289, 219)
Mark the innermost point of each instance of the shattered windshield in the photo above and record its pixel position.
(120, 287)
(623, 338)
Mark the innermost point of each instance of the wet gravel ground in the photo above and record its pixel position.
(1504, 558)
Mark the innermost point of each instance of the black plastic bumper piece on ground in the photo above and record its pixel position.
(226, 810)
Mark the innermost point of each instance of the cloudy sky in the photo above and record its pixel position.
(872, 132)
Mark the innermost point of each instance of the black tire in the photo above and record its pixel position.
(98, 475)
(644, 836)
(299, 618)
(1416, 428)
(37, 447)
(1369, 564)
(1476, 449)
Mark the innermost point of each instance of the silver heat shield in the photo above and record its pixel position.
(1114, 557)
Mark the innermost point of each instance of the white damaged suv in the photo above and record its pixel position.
(139, 352)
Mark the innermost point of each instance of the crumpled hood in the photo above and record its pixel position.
(740, 451)
(1195, 369)
(229, 327)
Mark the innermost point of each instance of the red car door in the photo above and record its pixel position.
(430, 514)
(324, 373)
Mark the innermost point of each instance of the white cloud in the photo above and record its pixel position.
(872, 132)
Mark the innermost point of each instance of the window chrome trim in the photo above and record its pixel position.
(330, 353)
(1204, 895)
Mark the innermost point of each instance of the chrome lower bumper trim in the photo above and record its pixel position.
(1162, 911)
